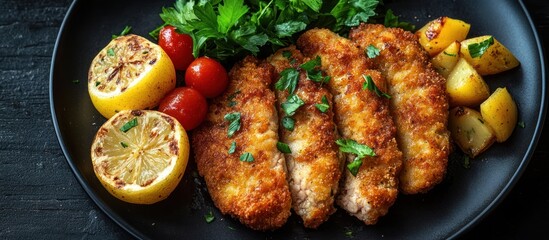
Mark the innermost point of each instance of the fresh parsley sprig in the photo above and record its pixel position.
(232, 28)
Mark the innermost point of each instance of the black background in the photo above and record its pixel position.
(40, 198)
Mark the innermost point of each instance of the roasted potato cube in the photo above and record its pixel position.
(501, 113)
(469, 131)
(487, 55)
(441, 32)
(465, 86)
(445, 61)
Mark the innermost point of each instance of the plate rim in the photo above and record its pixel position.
(119, 220)
(531, 146)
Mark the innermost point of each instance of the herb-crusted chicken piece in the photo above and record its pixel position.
(236, 149)
(314, 163)
(362, 116)
(419, 103)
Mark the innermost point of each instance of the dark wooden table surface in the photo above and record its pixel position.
(40, 197)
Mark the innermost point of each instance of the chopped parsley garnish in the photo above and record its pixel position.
(288, 80)
(129, 125)
(235, 28)
(232, 148)
(288, 123)
(231, 98)
(125, 31)
(123, 144)
(287, 54)
(392, 21)
(209, 217)
(466, 162)
(311, 64)
(313, 73)
(360, 150)
(372, 51)
(348, 232)
(478, 49)
(370, 85)
(354, 166)
(449, 54)
(246, 157)
(323, 107)
(292, 104)
(283, 147)
(521, 124)
(97, 83)
(110, 52)
(234, 122)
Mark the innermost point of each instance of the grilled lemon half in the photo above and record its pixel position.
(130, 73)
(140, 156)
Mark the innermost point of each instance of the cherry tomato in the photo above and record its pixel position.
(207, 76)
(185, 104)
(178, 46)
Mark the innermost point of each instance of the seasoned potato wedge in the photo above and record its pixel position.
(469, 131)
(445, 61)
(494, 59)
(441, 32)
(501, 113)
(465, 86)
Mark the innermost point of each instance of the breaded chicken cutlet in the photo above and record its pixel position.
(250, 183)
(362, 116)
(419, 103)
(314, 164)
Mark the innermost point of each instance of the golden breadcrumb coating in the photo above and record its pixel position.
(362, 116)
(314, 164)
(256, 193)
(419, 104)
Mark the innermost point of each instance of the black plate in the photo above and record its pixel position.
(451, 208)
